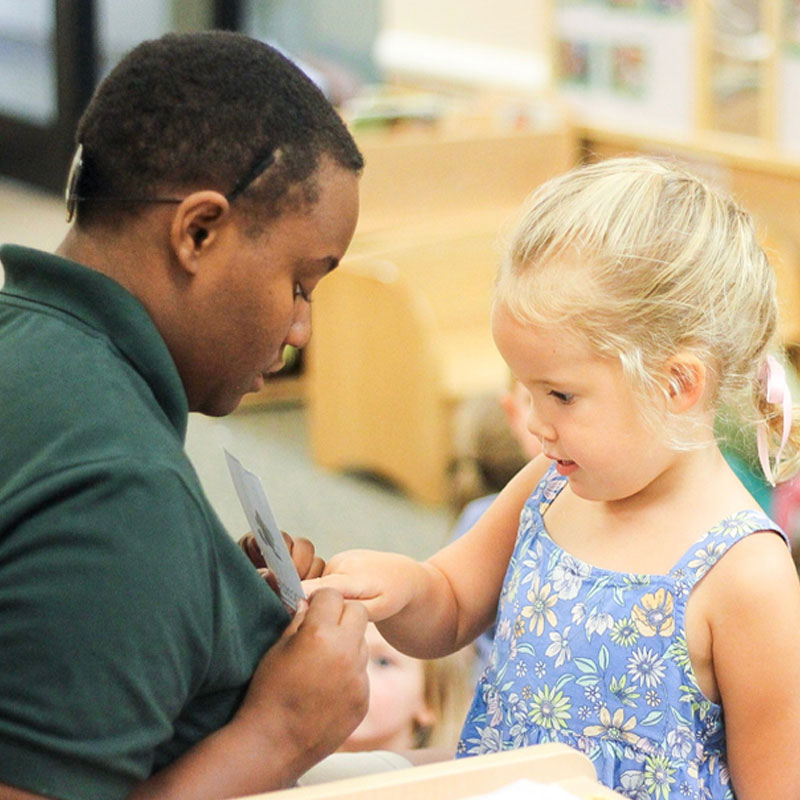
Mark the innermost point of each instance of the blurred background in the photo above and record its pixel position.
(462, 107)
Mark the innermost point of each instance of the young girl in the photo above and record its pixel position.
(650, 612)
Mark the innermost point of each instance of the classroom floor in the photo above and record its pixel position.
(335, 511)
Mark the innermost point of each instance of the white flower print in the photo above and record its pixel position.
(598, 622)
(568, 575)
(525, 520)
(595, 622)
(532, 561)
(680, 742)
(559, 646)
(646, 667)
(631, 784)
(551, 487)
(494, 711)
(491, 740)
(503, 630)
(593, 694)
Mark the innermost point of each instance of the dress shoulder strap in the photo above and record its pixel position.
(710, 548)
(548, 488)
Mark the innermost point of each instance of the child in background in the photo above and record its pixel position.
(416, 710)
(413, 703)
(641, 588)
(491, 444)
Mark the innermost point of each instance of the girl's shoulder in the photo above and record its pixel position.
(750, 573)
(726, 549)
(757, 561)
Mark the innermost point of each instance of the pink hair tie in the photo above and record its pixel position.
(773, 376)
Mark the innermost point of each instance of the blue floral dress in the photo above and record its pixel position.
(598, 660)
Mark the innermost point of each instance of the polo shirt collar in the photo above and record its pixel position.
(104, 305)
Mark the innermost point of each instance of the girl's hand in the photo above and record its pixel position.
(384, 582)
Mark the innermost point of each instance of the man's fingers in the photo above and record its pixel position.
(303, 555)
(249, 544)
(354, 615)
(342, 583)
(316, 568)
(297, 619)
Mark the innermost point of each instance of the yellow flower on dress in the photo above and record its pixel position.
(655, 616)
(616, 728)
(541, 608)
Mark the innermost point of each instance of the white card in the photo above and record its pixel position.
(265, 529)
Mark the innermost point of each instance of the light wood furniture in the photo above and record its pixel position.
(762, 178)
(401, 329)
(418, 180)
(554, 764)
(399, 339)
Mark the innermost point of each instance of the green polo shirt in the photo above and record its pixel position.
(130, 622)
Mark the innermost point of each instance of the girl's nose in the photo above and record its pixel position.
(543, 431)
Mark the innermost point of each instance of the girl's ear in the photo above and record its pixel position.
(686, 377)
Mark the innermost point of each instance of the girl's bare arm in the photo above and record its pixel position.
(431, 608)
(755, 629)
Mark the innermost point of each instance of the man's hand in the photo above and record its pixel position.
(306, 561)
(311, 687)
(307, 695)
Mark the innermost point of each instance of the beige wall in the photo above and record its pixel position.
(514, 24)
(491, 42)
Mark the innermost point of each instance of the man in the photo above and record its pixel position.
(141, 654)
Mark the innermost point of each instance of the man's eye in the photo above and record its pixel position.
(300, 292)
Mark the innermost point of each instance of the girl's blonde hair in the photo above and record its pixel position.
(448, 693)
(643, 260)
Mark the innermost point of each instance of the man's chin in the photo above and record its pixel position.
(219, 406)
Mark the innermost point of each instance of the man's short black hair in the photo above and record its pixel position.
(200, 111)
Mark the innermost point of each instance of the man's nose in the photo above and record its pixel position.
(300, 329)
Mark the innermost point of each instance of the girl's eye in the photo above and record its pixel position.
(562, 397)
(383, 661)
(300, 292)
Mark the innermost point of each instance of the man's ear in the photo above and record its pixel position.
(686, 377)
(195, 226)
